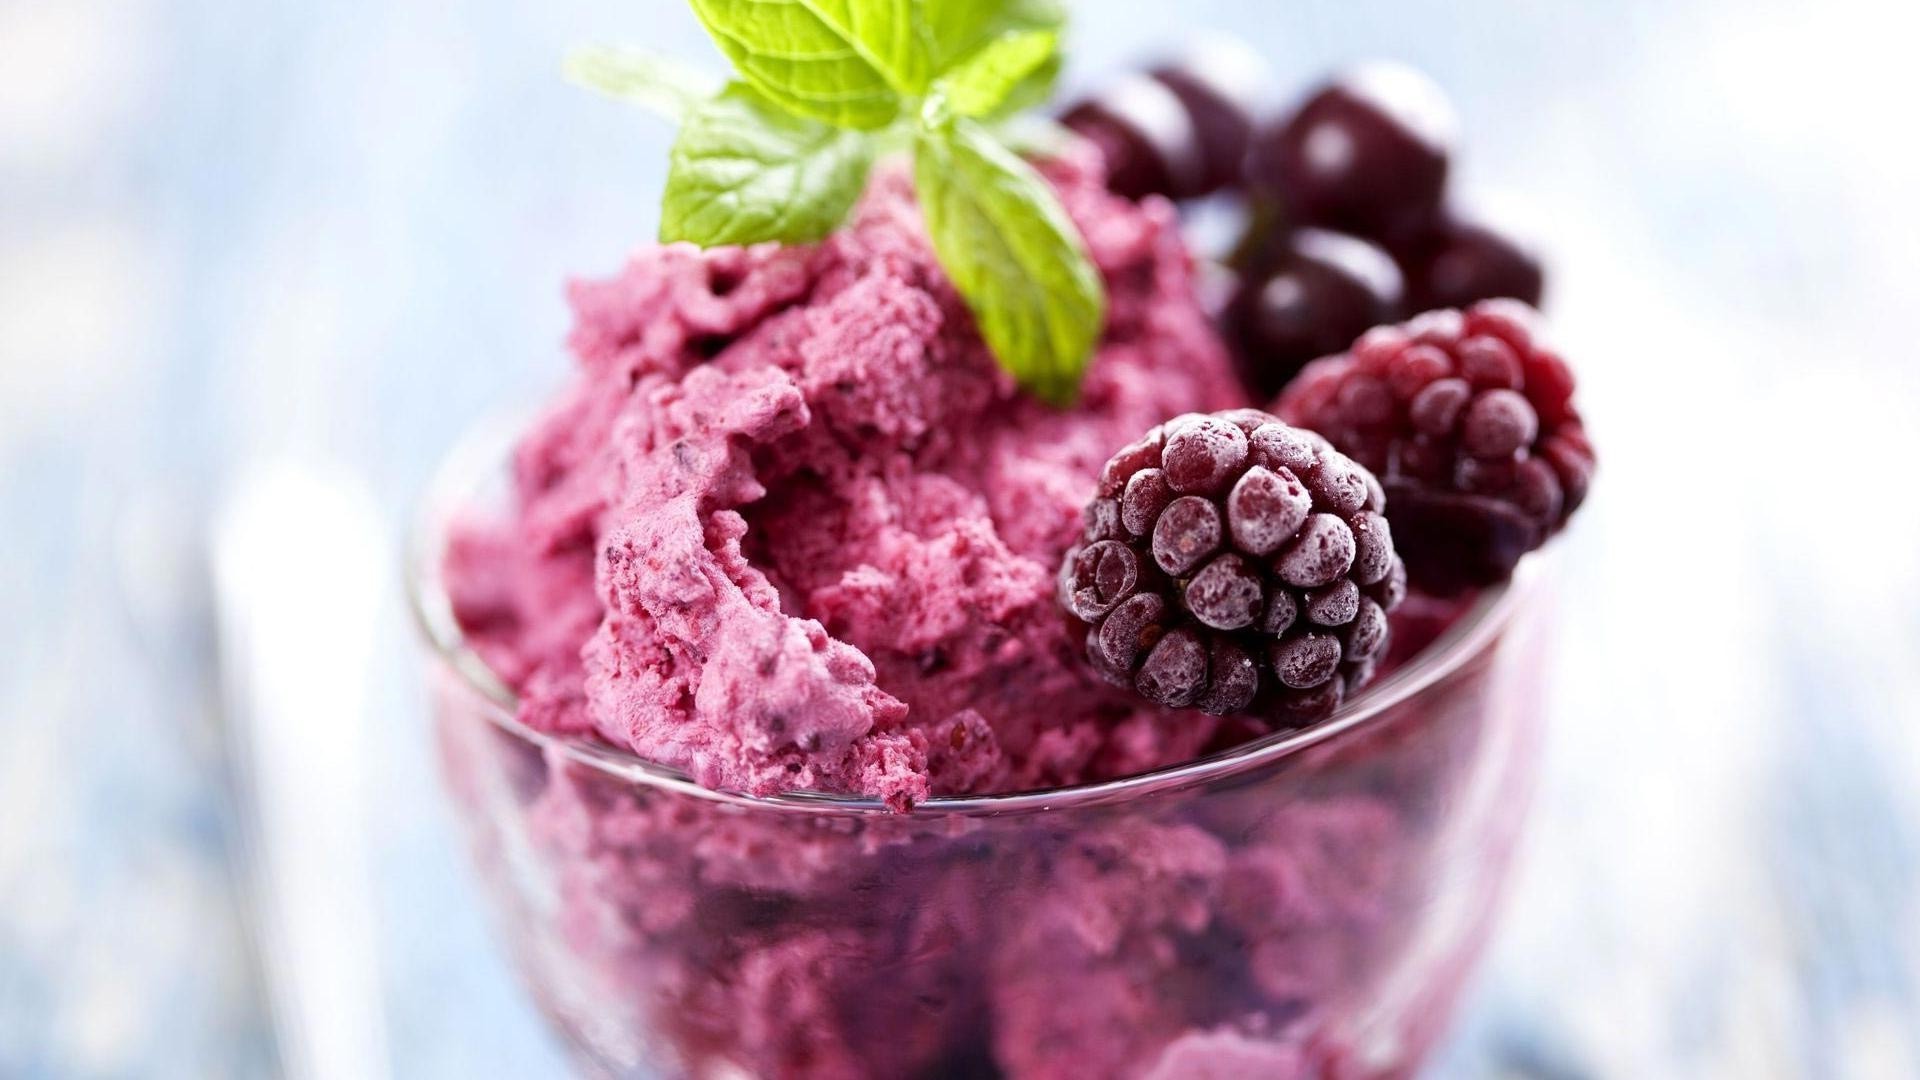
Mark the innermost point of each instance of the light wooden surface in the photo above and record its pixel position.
(230, 229)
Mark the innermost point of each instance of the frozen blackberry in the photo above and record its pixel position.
(1231, 563)
(1469, 424)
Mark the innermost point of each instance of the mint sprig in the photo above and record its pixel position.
(1018, 66)
(843, 62)
(824, 88)
(743, 172)
(1011, 251)
(652, 81)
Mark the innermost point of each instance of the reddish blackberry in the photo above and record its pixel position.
(1232, 563)
(1471, 427)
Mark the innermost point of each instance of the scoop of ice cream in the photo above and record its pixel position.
(1311, 916)
(792, 528)
(1088, 981)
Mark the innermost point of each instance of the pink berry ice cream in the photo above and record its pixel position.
(791, 527)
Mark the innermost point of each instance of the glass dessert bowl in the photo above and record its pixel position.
(1305, 904)
(918, 643)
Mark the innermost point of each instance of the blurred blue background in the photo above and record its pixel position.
(235, 230)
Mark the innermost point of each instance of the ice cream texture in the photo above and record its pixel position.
(790, 527)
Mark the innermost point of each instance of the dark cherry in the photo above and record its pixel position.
(1461, 261)
(1366, 154)
(1149, 140)
(1221, 82)
(1311, 299)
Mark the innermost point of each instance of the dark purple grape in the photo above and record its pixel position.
(1366, 154)
(1320, 293)
(1143, 130)
(1221, 82)
(1460, 262)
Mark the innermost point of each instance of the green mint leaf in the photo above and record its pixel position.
(843, 62)
(664, 85)
(953, 30)
(1023, 61)
(743, 172)
(1013, 254)
(1032, 91)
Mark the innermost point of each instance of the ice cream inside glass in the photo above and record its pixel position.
(780, 758)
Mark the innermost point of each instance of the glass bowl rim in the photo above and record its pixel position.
(485, 448)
